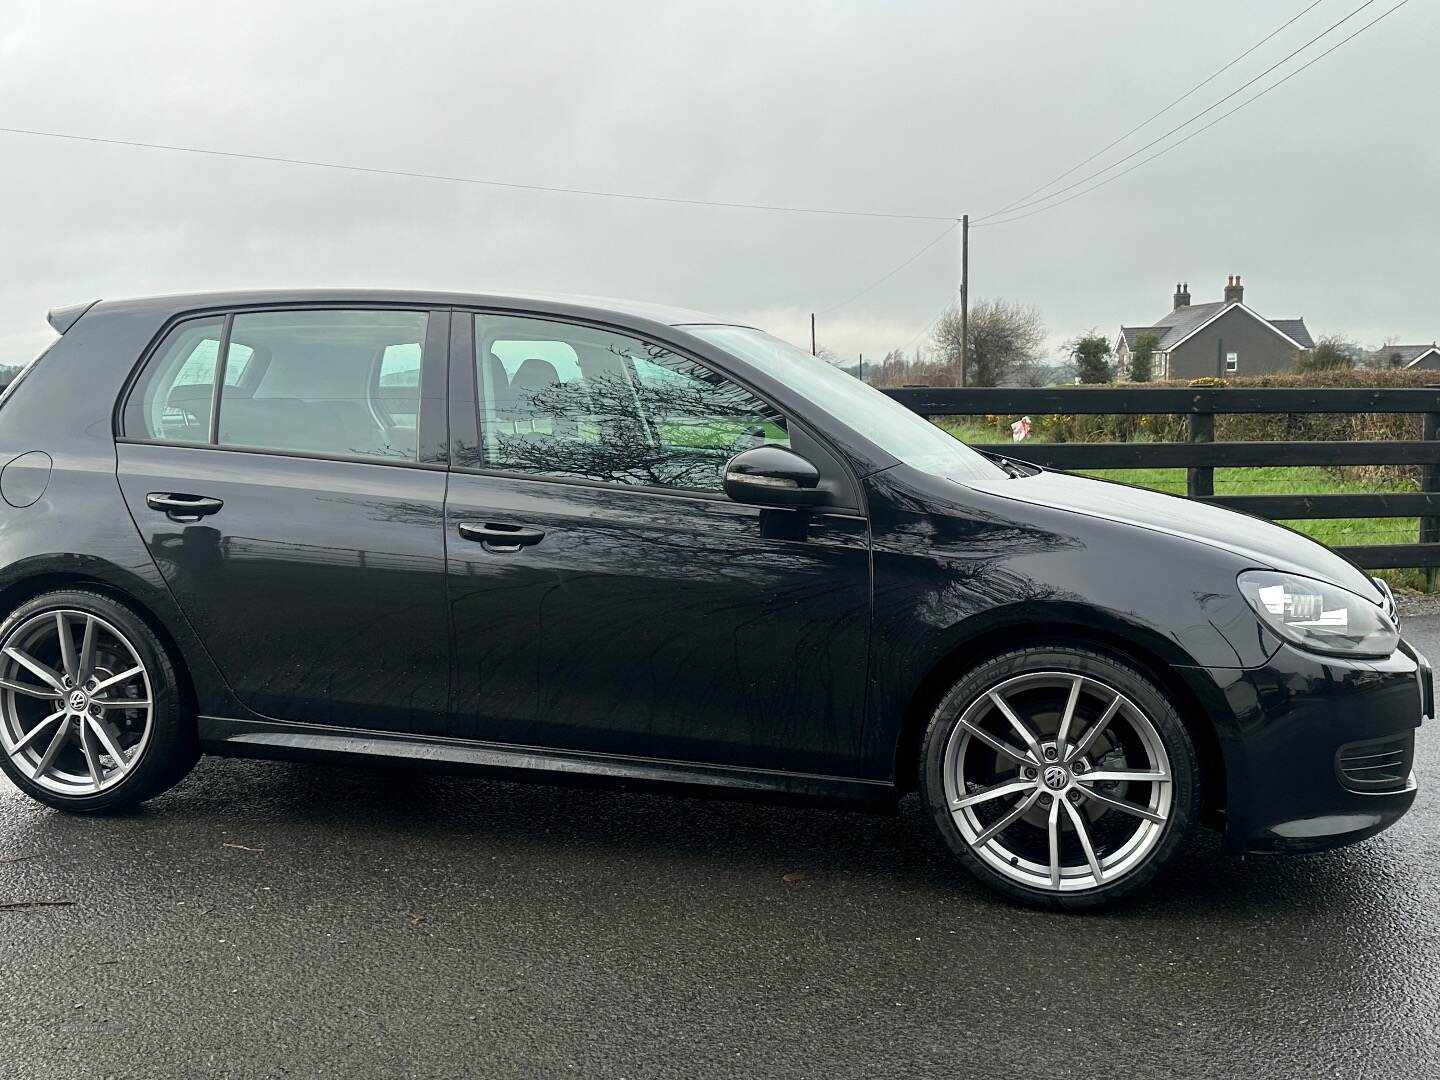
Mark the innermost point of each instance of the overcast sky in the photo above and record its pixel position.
(1323, 195)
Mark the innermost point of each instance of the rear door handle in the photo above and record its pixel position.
(180, 507)
(497, 536)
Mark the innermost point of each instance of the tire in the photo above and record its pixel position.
(1013, 817)
(126, 667)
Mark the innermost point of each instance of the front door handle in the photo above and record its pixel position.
(497, 536)
(181, 507)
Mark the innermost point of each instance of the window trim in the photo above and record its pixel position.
(222, 361)
(464, 411)
(303, 455)
(432, 425)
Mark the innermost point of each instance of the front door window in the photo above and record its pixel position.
(571, 401)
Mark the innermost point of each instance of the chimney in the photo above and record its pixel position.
(1182, 295)
(1234, 291)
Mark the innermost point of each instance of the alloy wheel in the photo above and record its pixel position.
(76, 704)
(1058, 781)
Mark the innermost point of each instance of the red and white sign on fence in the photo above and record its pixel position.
(1020, 428)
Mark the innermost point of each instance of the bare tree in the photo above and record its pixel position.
(1386, 358)
(1333, 352)
(673, 434)
(1004, 339)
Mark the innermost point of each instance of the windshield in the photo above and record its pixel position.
(877, 417)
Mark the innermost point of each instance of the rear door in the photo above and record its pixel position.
(606, 595)
(285, 468)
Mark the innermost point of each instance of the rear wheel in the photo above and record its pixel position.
(91, 714)
(1060, 776)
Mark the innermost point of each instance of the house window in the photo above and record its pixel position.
(1232, 363)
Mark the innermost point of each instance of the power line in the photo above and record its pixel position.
(1199, 130)
(1022, 204)
(1186, 123)
(950, 305)
(887, 276)
(1156, 115)
(514, 185)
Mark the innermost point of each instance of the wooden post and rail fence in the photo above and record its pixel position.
(1201, 455)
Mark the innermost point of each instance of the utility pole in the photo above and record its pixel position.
(964, 294)
(862, 367)
(812, 335)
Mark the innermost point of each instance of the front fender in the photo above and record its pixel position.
(956, 571)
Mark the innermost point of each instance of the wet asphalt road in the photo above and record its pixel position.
(292, 920)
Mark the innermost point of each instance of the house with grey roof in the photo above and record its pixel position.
(1419, 357)
(1221, 339)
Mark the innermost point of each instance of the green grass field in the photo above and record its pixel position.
(1336, 532)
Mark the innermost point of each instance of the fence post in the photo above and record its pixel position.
(1200, 483)
(1430, 481)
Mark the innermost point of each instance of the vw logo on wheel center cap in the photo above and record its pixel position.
(78, 700)
(1056, 777)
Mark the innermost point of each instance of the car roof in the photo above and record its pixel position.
(542, 303)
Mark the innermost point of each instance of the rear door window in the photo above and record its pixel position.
(343, 383)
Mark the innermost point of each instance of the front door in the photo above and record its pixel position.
(607, 597)
(274, 463)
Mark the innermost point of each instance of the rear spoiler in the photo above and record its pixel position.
(63, 318)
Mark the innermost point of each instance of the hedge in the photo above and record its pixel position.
(1249, 427)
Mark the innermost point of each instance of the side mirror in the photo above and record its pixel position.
(773, 476)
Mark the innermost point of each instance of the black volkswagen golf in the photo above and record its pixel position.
(576, 540)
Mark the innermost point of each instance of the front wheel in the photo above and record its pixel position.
(1061, 777)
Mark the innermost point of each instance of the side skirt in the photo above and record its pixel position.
(283, 740)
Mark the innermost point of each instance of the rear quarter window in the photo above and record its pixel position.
(171, 401)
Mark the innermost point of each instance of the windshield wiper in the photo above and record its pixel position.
(1013, 469)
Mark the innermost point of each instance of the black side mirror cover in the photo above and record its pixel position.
(773, 476)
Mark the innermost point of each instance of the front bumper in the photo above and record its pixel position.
(1317, 751)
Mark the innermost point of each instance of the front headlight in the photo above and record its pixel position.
(1319, 616)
